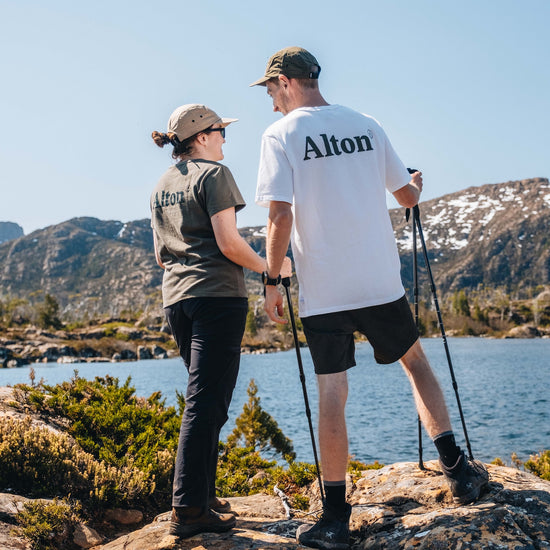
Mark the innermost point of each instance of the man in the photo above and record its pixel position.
(324, 171)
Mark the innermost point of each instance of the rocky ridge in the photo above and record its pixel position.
(492, 235)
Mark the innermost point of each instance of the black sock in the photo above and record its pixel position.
(447, 448)
(335, 493)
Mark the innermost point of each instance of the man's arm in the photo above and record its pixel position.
(279, 227)
(409, 195)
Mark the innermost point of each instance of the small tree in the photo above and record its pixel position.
(48, 313)
(258, 429)
(460, 303)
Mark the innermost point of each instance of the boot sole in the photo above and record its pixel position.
(186, 531)
(472, 496)
(319, 544)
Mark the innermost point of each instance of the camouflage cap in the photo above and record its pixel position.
(293, 62)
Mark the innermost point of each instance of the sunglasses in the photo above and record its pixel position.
(220, 130)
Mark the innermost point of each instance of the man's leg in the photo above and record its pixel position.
(429, 399)
(333, 436)
(467, 479)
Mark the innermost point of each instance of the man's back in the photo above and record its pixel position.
(334, 164)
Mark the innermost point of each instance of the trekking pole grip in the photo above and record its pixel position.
(285, 281)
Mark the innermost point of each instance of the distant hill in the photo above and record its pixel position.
(9, 231)
(493, 235)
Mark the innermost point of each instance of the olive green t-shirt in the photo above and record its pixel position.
(184, 200)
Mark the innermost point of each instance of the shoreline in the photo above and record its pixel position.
(36, 355)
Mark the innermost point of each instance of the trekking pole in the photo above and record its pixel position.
(416, 318)
(416, 221)
(286, 283)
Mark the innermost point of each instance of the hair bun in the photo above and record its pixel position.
(161, 139)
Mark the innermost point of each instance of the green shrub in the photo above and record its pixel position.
(38, 462)
(112, 424)
(49, 525)
(539, 465)
(242, 471)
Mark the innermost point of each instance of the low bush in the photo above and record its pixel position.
(49, 525)
(38, 462)
(113, 425)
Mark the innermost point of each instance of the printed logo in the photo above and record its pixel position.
(330, 146)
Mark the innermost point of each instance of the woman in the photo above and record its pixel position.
(205, 301)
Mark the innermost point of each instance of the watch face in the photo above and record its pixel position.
(264, 277)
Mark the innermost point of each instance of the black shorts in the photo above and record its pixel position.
(389, 328)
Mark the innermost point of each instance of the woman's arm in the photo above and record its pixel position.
(157, 255)
(232, 245)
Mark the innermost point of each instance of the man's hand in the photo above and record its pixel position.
(286, 268)
(416, 180)
(273, 304)
(409, 195)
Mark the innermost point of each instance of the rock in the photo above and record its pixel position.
(68, 359)
(159, 352)
(525, 331)
(128, 355)
(124, 517)
(88, 353)
(93, 334)
(130, 333)
(86, 537)
(143, 352)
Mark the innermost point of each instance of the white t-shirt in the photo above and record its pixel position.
(333, 165)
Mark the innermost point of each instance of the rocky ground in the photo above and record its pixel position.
(397, 507)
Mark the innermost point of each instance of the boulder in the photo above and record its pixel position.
(159, 352)
(143, 352)
(124, 517)
(86, 537)
(524, 331)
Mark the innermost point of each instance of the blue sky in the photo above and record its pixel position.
(462, 89)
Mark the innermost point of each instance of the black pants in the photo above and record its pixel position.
(208, 332)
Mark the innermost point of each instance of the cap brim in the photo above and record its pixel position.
(227, 121)
(261, 81)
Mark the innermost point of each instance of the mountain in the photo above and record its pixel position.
(493, 235)
(90, 266)
(9, 231)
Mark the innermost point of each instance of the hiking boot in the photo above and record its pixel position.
(467, 479)
(219, 505)
(331, 532)
(188, 521)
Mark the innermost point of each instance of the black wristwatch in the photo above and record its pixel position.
(270, 282)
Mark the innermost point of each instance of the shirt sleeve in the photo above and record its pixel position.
(397, 176)
(275, 176)
(221, 191)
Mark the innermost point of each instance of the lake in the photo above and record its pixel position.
(504, 388)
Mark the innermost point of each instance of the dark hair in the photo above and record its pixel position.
(184, 147)
(305, 83)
